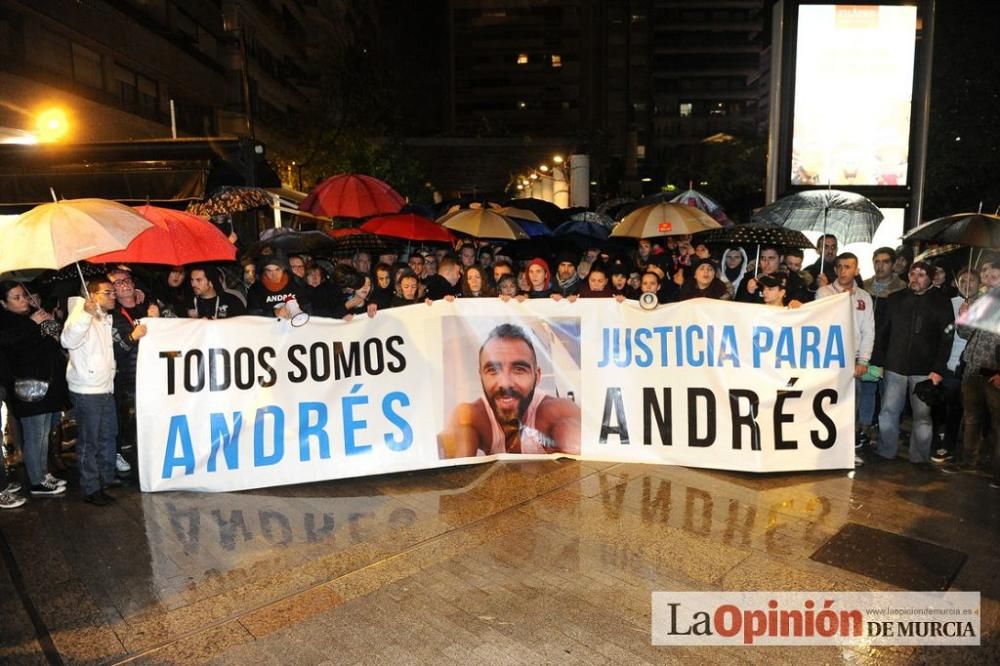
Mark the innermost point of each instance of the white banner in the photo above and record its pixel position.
(252, 402)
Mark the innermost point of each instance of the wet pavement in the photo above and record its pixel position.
(523, 562)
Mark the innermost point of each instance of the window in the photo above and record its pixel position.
(556, 60)
(53, 52)
(522, 58)
(685, 109)
(149, 96)
(125, 86)
(87, 68)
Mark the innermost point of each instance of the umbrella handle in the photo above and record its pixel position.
(83, 282)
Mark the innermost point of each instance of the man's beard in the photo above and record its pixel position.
(506, 416)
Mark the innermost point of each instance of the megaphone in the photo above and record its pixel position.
(295, 313)
(299, 318)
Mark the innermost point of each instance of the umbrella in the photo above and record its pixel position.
(595, 217)
(755, 233)
(984, 313)
(663, 219)
(175, 239)
(618, 208)
(972, 229)
(520, 215)
(850, 217)
(57, 234)
(461, 203)
(351, 241)
(229, 199)
(408, 226)
(975, 229)
(937, 251)
(582, 234)
(534, 229)
(352, 195)
(482, 223)
(548, 213)
(703, 203)
(297, 242)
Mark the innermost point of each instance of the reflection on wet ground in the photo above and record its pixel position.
(528, 562)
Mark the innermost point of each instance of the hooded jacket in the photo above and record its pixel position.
(88, 339)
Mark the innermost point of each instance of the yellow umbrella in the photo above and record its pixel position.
(482, 223)
(55, 235)
(664, 219)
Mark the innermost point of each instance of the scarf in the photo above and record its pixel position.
(272, 285)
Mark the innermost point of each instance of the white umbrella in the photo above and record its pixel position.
(57, 234)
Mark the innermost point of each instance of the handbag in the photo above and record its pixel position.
(31, 390)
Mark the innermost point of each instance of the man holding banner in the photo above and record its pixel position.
(513, 415)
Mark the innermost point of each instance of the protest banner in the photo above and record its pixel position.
(252, 402)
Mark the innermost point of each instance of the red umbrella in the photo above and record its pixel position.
(409, 226)
(352, 195)
(175, 238)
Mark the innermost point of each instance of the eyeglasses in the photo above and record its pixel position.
(106, 292)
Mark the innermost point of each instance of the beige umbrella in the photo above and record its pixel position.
(520, 214)
(55, 235)
(482, 223)
(664, 219)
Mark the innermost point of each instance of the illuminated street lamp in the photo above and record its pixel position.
(52, 125)
(558, 159)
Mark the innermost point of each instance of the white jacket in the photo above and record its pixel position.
(88, 339)
(864, 318)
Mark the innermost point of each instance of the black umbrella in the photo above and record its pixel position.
(582, 234)
(618, 208)
(550, 214)
(348, 245)
(972, 229)
(755, 233)
(297, 242)
(975, 229)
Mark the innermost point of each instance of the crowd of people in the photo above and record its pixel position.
(59, 353)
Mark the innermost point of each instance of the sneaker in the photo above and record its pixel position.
(861, 441)
(106, 497)
(46, 488)
(122, 465)
(941, 456)
(858, 461)
(9, 501)
(97, 499)
(54, 481)
(11, 488)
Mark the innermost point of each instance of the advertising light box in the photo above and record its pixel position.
(853, 94)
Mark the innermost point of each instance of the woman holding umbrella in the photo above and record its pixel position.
(40, 393)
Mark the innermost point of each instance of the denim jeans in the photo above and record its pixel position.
(895, 392)
(865, 392)
(980, 399)
(35, 442)
(97, 425)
